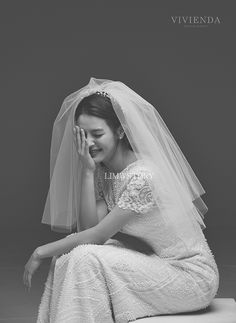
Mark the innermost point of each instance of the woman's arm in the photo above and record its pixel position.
(91, 211)
(102, 210)
(98, 234)
(88, 217)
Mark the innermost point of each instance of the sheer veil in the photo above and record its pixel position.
(176, 189)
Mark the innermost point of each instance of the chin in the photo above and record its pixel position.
(97, 159)
(101, 157)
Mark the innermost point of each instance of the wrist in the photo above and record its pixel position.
(88, 171)
(37, 254)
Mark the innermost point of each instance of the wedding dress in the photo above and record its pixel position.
(144, 270)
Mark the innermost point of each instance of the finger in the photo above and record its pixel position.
(86, 147)
(24, 278)
(78, 138)
(74, 136)
(29, 280)
(82, 140)
(25, 283)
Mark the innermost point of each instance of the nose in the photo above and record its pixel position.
(90, 140)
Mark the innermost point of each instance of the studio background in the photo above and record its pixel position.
(50, 49)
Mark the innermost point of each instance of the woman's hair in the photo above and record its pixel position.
(100, 106)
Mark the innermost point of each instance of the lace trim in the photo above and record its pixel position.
(137, 195)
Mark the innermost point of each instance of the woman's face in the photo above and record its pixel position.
(101, 140)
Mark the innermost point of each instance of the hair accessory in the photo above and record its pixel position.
(103, 93)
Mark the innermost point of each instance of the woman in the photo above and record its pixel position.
(119, 177)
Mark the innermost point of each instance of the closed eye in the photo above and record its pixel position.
(97, 136)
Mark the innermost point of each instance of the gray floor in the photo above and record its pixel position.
(18, 305)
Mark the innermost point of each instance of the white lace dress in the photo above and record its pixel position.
(142, 271)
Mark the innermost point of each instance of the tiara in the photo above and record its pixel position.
(103, 93)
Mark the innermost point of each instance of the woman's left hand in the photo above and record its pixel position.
(30, 268)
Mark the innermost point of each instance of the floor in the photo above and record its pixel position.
(17, 305)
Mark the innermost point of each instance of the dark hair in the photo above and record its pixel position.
(100, 106)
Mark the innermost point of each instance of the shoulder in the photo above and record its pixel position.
(137, 192)
(139, 172)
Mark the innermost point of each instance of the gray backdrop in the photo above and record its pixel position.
(51, 48)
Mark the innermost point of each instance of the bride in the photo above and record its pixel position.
(119, 180)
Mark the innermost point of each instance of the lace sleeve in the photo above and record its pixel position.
(137, 195)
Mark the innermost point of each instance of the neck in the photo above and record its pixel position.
(120, 160)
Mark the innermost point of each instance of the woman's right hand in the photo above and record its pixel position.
(82, 148)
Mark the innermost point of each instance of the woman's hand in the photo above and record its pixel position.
(31, 266)
(83, 149)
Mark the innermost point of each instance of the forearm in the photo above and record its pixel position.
(66, 244)
(88, 211)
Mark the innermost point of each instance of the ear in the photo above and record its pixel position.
(120, 132)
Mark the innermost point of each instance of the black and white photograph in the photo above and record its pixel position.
(118, 161)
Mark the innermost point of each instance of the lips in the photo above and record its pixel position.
(94, 152)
